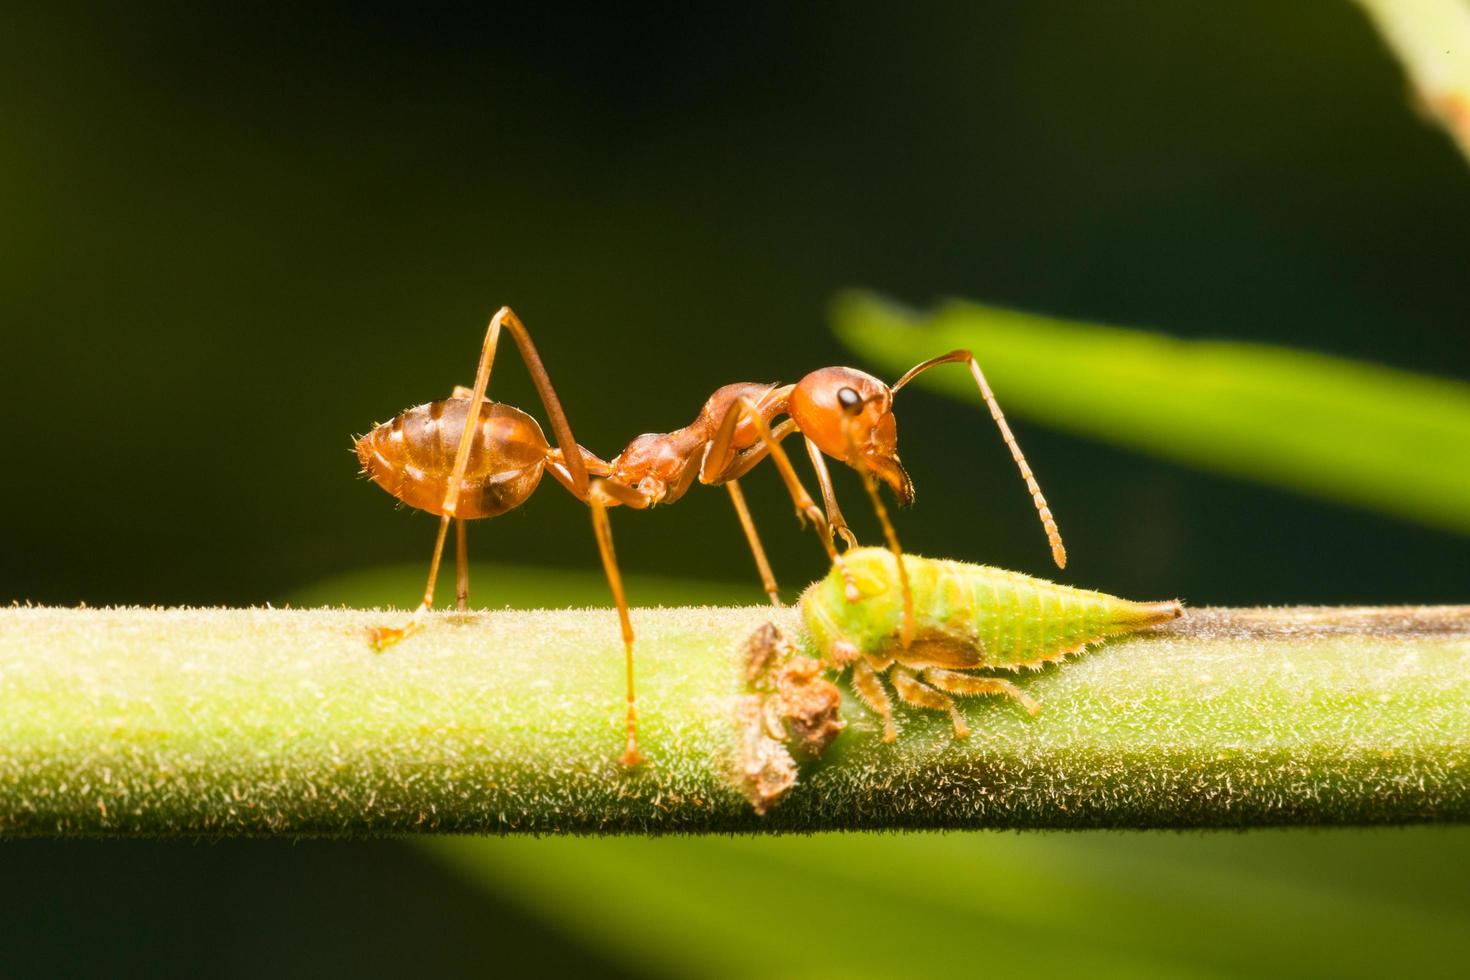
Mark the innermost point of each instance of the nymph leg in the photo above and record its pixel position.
(966, 684)
(920, 695)
(870, 688)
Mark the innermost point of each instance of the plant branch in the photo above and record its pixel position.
(222, 722)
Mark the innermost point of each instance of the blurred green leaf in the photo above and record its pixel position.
(1381, 438)
(1260, 904)
(1336, 903)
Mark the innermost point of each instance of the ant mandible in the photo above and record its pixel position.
(460, 465)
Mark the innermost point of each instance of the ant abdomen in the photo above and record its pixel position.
(412, 457)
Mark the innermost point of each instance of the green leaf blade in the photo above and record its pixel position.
(1373, 436)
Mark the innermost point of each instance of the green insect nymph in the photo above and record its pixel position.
(965, 618)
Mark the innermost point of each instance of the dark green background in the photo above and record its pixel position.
(231, 237)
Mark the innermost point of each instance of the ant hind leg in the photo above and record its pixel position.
(383, 637)
(461, 567)
(599, 498)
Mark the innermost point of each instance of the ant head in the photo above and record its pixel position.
(849, 415)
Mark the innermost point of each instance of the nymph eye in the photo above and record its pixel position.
(849, 399)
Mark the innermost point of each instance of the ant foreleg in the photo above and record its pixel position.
(806, 508)
(906, 630)
(836, 523)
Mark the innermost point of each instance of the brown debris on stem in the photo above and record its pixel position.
(790, 712)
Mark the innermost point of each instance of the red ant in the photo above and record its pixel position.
(441, 458)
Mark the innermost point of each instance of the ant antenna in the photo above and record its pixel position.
(1053, 536)
(852, 406)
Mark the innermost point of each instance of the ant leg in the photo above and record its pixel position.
(835, 521)
(806, 509)
(599, 498)
(768, 581)
(383, 637)
(870, 688)
(461, 567)
(572, 461)
(747, 459)
(1053, 536)
(572, 454)
(906, 631)
(964, 684)
(461, 549)
(472, 415)
(915, 692)
(805, 506)
(572, 458)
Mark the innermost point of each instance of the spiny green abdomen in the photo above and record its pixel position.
(1006, 618)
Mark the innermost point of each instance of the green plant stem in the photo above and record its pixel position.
(219, 722)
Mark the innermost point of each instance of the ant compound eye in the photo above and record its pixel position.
(850, 400)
